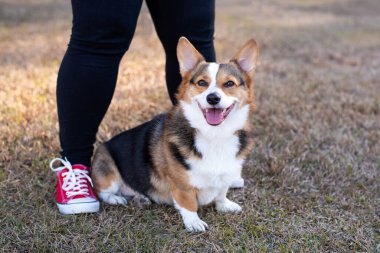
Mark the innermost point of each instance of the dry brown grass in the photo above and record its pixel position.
(312, 180)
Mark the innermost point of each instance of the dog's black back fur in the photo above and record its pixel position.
(132, 155)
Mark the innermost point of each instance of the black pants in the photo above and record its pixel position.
(102, 32)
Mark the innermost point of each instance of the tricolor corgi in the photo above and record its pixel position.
(189, 156)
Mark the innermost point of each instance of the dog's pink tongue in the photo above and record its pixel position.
(214, 116)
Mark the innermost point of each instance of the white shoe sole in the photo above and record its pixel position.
(74, 208)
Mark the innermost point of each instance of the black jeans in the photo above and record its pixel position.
(102, 32)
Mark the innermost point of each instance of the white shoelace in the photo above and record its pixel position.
(74, 181)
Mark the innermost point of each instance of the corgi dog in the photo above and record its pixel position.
(189, 156)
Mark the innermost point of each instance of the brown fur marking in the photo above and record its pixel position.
(186, 198)
(104, 170)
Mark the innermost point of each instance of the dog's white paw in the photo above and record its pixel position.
(228, 206)
(191, 220)
(238, 183)
(112, 199)
(195, 225)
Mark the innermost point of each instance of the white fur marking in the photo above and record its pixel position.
(212, 70)
(219, 166)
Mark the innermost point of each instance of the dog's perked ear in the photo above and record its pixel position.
(188, 56)
(247, 57)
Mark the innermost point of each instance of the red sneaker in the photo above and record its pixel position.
(73, 191)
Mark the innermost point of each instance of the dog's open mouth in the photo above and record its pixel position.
(215, 116)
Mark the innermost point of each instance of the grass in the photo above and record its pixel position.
(312, 179)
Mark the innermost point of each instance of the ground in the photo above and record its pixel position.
(312, 180)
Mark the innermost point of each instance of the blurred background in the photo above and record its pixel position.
(312, 179)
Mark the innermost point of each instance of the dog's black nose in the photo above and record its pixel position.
(213, 98)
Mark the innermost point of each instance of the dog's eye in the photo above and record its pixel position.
(202, 83)
(229, 84)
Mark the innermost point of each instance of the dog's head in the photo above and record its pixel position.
(213, 94)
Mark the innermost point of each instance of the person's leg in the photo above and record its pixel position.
(101, 33)
(193, 19)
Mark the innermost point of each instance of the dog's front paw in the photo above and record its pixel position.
(228, 206)
(195, 225)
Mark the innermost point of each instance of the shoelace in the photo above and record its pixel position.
(74, 181)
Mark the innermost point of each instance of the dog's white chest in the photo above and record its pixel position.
(218, 166)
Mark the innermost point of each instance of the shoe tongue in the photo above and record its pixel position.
(80, 166)
(76, 167)
(214, 116)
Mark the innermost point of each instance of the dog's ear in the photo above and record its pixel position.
(247, 57)
(188, 56)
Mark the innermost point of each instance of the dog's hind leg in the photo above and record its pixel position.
(108, 184)
(134, 196)
(111, 195)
